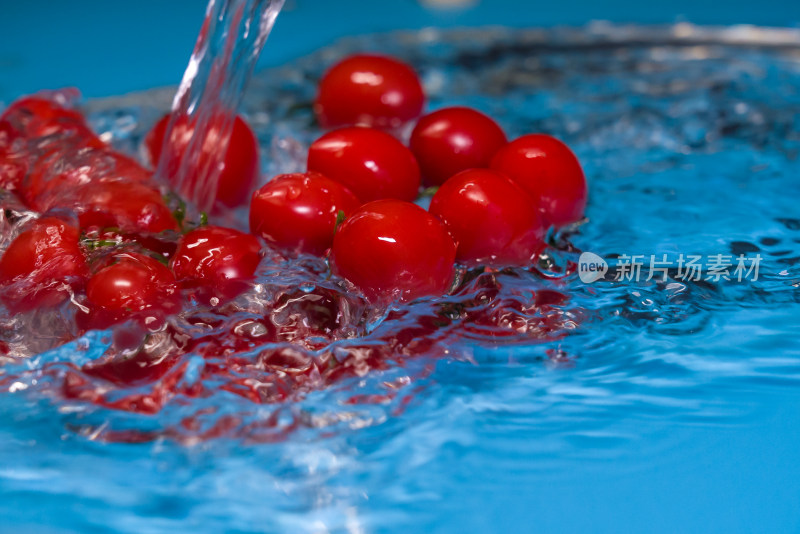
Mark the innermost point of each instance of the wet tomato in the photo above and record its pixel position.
(492, 219)
(371, 163)
(54, 175)
(42, 266)
(394, 249)
(549, 171)
(454, 139)
(298, 212)
(42, 116)
(216, 259)
(240, 163)
(129, 206)
(369, 90)
(132, 285)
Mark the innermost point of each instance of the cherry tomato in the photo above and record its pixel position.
(370, 163)
(369, 90)
(217, 258)
(37, 116)
(298, 212)
(54, 175)
(492, 219)
(129, 206)
(133, 286)
(240, 171)
(13, 157)
(394, 249)
(42, 265)
(548, 170)
(454, 139)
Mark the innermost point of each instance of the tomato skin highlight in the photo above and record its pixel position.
(129, 206)
(42, 266)
(371, 163)
(369, 90)
(241, 162)
(394, 249)
(218, 259)
(38, 116)
(454, 139)
(550, 172)
(491, 218)
(298, 212)
(133, 286)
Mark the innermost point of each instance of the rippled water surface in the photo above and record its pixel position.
(651, 405)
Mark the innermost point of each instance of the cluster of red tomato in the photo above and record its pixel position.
(356, 202)
(495, 198)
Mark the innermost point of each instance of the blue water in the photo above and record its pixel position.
(668, 407)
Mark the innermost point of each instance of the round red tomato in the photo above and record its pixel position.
(369, 90)
(370, 163)
(132, 286)
(216, 258)
(548, 170)
(299, 211)
(13, 157)
(42, 266)
(394, 249)
(53, 176)
(129, 206)
(451, 140)
(240, 164)
(36, 116)
(492, 219)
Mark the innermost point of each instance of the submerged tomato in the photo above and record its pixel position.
(369, 90)
(548, 170)
(39, 116)
(129, 206)
(492, 219)
(298, 212)
(370, 163)
(454, 139)
(53, 177)
(394, 249)
(42, 266)
(240, 163)
(216, 258)
(133, 286)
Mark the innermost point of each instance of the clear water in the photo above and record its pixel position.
(630, 406)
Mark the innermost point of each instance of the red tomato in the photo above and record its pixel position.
(13, 157)
(216, 258)
(134, 286)
(492, 219)
(370, 163)
(54, 175)
(42, 265)
(369, 90)
(240, 171)
(451, 140)
(548, 170)
(37, 116)
(129, 206)
(298, 212)
(394, 249)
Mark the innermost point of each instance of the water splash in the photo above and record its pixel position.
(230, 41)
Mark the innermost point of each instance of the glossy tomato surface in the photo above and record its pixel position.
(369, 90)
(241, 163)
(42, 265)
(392, 249)
(216, 258)
(133, 285)
(549, 171)
(371, 163)
(492, 219)
(39, 116)
(454, 139)
(298, 212)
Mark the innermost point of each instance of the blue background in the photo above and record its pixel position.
(107, 48)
